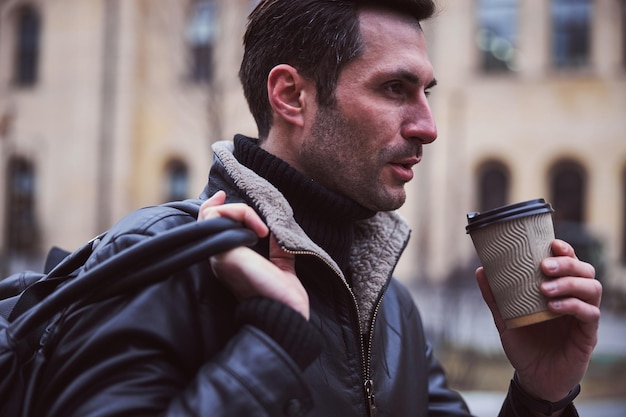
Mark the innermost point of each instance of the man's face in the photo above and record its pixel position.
(366, 145)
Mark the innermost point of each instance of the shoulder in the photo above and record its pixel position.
(142, 224)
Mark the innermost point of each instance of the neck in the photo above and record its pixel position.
(328, 218)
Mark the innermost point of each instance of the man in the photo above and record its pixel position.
(339, 92)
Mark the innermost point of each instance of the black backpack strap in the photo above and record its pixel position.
(64, 270)
(190, 206)
(60, 266)
(55, 257)
(11, 289)
(147, 262)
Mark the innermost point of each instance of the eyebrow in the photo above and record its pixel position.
(431, 84)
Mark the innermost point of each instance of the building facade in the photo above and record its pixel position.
(110, 105)
(531, 103)
(107, 106)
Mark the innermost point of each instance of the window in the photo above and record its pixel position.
(27, 40)
(571, 33)
(568, 183)
(497, 34)
(493, 185)
(177, 181)
(21, 225)
(201, 36)
(568, 192)
(624, 217)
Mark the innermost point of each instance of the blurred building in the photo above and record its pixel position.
(107, 106)
(531, 102)
(110, 105)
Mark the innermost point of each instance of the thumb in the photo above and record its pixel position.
(215, 200)
(281, 258)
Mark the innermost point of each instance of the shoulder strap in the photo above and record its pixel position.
(55, 257)
(147, 262)
(37, 291)
(190, 206)
(60, 266)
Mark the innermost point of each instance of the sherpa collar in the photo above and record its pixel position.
(379, 240)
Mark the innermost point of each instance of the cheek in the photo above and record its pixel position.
(363, 135)
(378, 127)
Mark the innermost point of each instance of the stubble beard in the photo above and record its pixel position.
(328, 158)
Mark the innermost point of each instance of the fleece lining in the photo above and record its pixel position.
(379, 240)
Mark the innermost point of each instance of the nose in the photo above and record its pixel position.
(419, 123)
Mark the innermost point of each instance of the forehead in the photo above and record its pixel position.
(392, 41)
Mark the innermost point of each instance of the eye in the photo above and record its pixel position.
(428, 89)
(394, 88)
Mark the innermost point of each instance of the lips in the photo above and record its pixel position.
(403, 168)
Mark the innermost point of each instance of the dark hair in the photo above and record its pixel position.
(317, 37)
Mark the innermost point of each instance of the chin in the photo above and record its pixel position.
(389, 203)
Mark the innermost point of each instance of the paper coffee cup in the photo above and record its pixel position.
(511, 242)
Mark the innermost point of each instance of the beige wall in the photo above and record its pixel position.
(528, 119)
(114, 101)
(54, 123)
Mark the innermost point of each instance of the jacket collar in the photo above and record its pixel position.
(379, 240)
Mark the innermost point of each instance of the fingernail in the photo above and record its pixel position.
(551, 265)
(556, 304)
(549, 287)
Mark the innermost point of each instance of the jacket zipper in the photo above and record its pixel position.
(367, 362)
(366, 351)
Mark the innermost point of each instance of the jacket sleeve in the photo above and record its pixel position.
(513, 406)
(251, 377)
(153, 352)
(424, 387)
(442, 401)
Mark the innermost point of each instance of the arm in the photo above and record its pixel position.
(551, 358)
(137, 360)
(160, 352)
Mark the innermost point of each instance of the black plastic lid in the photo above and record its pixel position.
(476, 220)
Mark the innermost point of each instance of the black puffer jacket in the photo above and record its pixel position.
(176, 349)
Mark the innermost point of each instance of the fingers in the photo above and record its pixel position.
(282, 259)
(216, 199)
(565, 263)
(248, 274)
(229, 267)
(579, 297)
(587, 290)
(573, 291)
(562, 248)
(286, 262)
(573, 277)
(215, 207)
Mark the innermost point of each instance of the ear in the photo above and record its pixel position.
(287, 92)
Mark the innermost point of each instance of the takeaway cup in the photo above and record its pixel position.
(511, 241)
